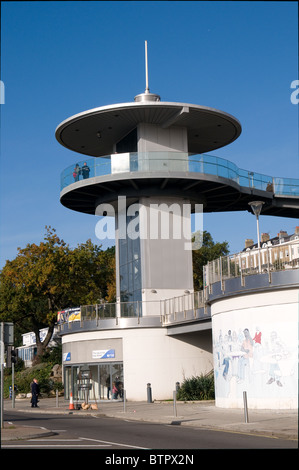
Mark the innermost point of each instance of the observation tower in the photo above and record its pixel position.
(144, 163)
(143, 168)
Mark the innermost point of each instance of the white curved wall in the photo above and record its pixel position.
(148, 355)
(268, 371)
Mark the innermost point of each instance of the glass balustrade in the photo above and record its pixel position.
(172, 162)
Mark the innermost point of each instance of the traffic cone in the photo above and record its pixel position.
(71, 406)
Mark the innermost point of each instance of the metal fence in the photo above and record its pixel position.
(264, 260)
(183, 303)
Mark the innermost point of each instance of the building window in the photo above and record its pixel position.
(130, 264)
(128, 143)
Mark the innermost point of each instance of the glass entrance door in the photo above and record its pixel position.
(107, 381)
(117, 381)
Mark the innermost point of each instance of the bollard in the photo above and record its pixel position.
(56, 397)
(149, 393)
(174, 403)
(13, 385)
(245, 406)
(125, 400)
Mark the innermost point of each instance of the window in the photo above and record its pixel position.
(130, 264)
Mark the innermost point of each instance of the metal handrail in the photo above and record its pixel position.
(272, 258)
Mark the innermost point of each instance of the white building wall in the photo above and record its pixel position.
(268, 371)
(166, 264)
(152, 138)
(150, 356)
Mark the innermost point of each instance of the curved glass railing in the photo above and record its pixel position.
(171, 162)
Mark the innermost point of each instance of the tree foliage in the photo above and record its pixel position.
(208, 252)
(51, 276)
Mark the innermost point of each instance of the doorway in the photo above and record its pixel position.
(103, 377)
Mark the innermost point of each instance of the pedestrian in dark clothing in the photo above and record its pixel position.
(34, 393)
(85, 171)
(77, 172)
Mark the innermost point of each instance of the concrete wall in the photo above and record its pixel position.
(153, 357)
(152, 138)
(166, 266)
(266, 325)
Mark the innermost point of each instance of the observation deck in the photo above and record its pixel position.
(216, 183)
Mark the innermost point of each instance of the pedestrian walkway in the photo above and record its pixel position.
(273, 423)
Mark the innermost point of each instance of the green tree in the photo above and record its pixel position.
(49, 277)
(208, 252)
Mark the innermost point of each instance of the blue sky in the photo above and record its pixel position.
(61, 58)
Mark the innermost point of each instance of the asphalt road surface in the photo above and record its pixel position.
(110, 434)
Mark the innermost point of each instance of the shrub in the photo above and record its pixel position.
(197, 388)
(24, 378)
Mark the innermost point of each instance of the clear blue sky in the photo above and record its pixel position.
(61, 58)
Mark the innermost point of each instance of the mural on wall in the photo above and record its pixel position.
(259, 358)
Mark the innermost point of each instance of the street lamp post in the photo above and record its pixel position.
(256, 207)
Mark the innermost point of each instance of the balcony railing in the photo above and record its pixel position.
(172, 162)
(191, 306)
(267, 259)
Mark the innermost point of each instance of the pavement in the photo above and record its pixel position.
(202, 414)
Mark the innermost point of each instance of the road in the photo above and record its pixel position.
(97, 432)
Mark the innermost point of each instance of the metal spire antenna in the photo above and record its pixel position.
(146, 96)
(146, 70)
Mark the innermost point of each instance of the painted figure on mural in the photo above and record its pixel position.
(256, 361)
(246, 357)
(278, 352)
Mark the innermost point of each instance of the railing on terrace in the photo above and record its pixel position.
(177, 161)
(167, 310)
(267, 259)
(192, 306)
(134, 309)
(105, 311)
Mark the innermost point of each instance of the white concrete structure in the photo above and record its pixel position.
(255, 348)
(148, 355)
(253, 318)
(150, 153)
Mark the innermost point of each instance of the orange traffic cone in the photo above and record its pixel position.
(71, 406)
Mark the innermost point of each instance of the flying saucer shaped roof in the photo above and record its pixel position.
(94, 132)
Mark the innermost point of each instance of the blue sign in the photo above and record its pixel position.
(66, 357)
(109, 353)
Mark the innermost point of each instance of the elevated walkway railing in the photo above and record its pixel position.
(267, 259)
(192, 306)
(172, 162)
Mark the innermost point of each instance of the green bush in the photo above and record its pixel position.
(24, 378)
(197, 388)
